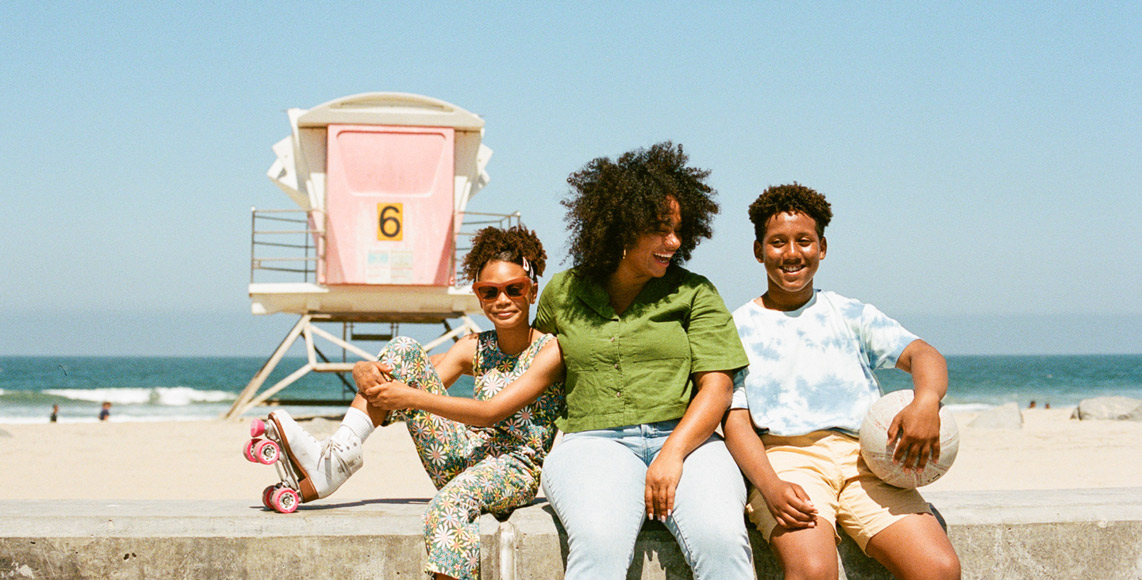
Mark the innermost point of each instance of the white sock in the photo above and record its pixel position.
(356, 422)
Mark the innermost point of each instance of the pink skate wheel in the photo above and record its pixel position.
(257, 427)
(284, 500)
(267, 495)
(267, 452)
(248, 450)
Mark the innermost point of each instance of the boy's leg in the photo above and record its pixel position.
(804, 460)
(891, 524)
(808, 552)
(596, 485)
(708, 518)
(451, 526)
(916, 548)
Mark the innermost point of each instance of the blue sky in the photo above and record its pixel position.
(984, 162)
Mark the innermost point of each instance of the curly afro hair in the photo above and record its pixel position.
(794, 198)
(614, 202)
(510, 245)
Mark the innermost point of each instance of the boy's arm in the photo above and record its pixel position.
(788, 502)
(547, 368)
(918, 424)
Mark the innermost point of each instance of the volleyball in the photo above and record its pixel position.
(877, 450)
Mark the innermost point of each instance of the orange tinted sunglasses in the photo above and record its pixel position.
(514, 288)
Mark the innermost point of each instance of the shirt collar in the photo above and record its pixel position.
(595, 296)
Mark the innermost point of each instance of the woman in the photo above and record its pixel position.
(649, 349)
(477, 470)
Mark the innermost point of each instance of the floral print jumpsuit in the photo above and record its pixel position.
(476, 469)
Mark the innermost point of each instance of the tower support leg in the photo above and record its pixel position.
(241, 404)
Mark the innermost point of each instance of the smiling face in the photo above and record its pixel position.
(506, 311)
(791, 252)
(652, 251)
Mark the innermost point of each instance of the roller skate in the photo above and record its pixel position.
(308, 470)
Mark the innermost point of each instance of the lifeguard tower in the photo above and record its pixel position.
(382, 181)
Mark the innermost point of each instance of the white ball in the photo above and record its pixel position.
(877, 450)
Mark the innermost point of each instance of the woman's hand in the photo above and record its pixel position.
(661, 480)
(790, 505)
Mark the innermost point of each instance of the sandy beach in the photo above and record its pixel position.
(203, 460)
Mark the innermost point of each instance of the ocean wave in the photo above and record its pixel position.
(969, 407)
(162, 396)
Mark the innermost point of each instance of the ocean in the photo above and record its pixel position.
(187, 389)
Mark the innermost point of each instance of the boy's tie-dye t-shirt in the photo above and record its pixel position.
(811, 369)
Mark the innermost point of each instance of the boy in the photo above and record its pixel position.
(796, 411)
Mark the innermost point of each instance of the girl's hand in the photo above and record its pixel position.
(370, 373)
(918, 428)
(661, 480)
(377, 385)
(790, 505)
(390, 395)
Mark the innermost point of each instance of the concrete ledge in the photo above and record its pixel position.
(1063, 534)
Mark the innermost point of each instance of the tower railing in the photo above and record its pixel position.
(286, 240)
(274, 243)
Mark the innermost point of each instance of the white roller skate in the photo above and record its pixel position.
(308, 469)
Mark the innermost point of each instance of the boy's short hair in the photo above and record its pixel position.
(792, 198)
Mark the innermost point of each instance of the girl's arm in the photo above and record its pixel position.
(714, 392)
(918, 424)
(787, 501)
(449, 366)
(547, 368)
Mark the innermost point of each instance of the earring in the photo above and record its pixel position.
(624, 254)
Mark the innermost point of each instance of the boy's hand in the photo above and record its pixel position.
(790, 505)
(917, 427)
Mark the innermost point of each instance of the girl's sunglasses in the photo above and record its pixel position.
(514, 288)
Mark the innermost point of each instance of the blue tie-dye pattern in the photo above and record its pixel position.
(811, 369)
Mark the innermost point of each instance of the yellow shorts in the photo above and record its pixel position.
(828, 465)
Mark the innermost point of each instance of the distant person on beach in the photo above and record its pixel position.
(797, 410)
(105, 412)
(55, 414)
(490, 467)
(650, 349)
(1032, 405)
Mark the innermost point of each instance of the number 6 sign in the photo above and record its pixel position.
(390, 221)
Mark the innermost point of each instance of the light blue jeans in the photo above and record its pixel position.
(596, 481)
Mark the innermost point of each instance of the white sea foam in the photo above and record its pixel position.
(161, 396)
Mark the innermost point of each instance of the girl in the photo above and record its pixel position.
(492, 468)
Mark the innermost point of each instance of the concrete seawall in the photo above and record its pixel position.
(1064, 534)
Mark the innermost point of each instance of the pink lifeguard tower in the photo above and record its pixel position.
(382, 181)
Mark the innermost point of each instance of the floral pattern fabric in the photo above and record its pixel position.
(476, 469)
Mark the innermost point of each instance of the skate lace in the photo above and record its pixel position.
(333, 449)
